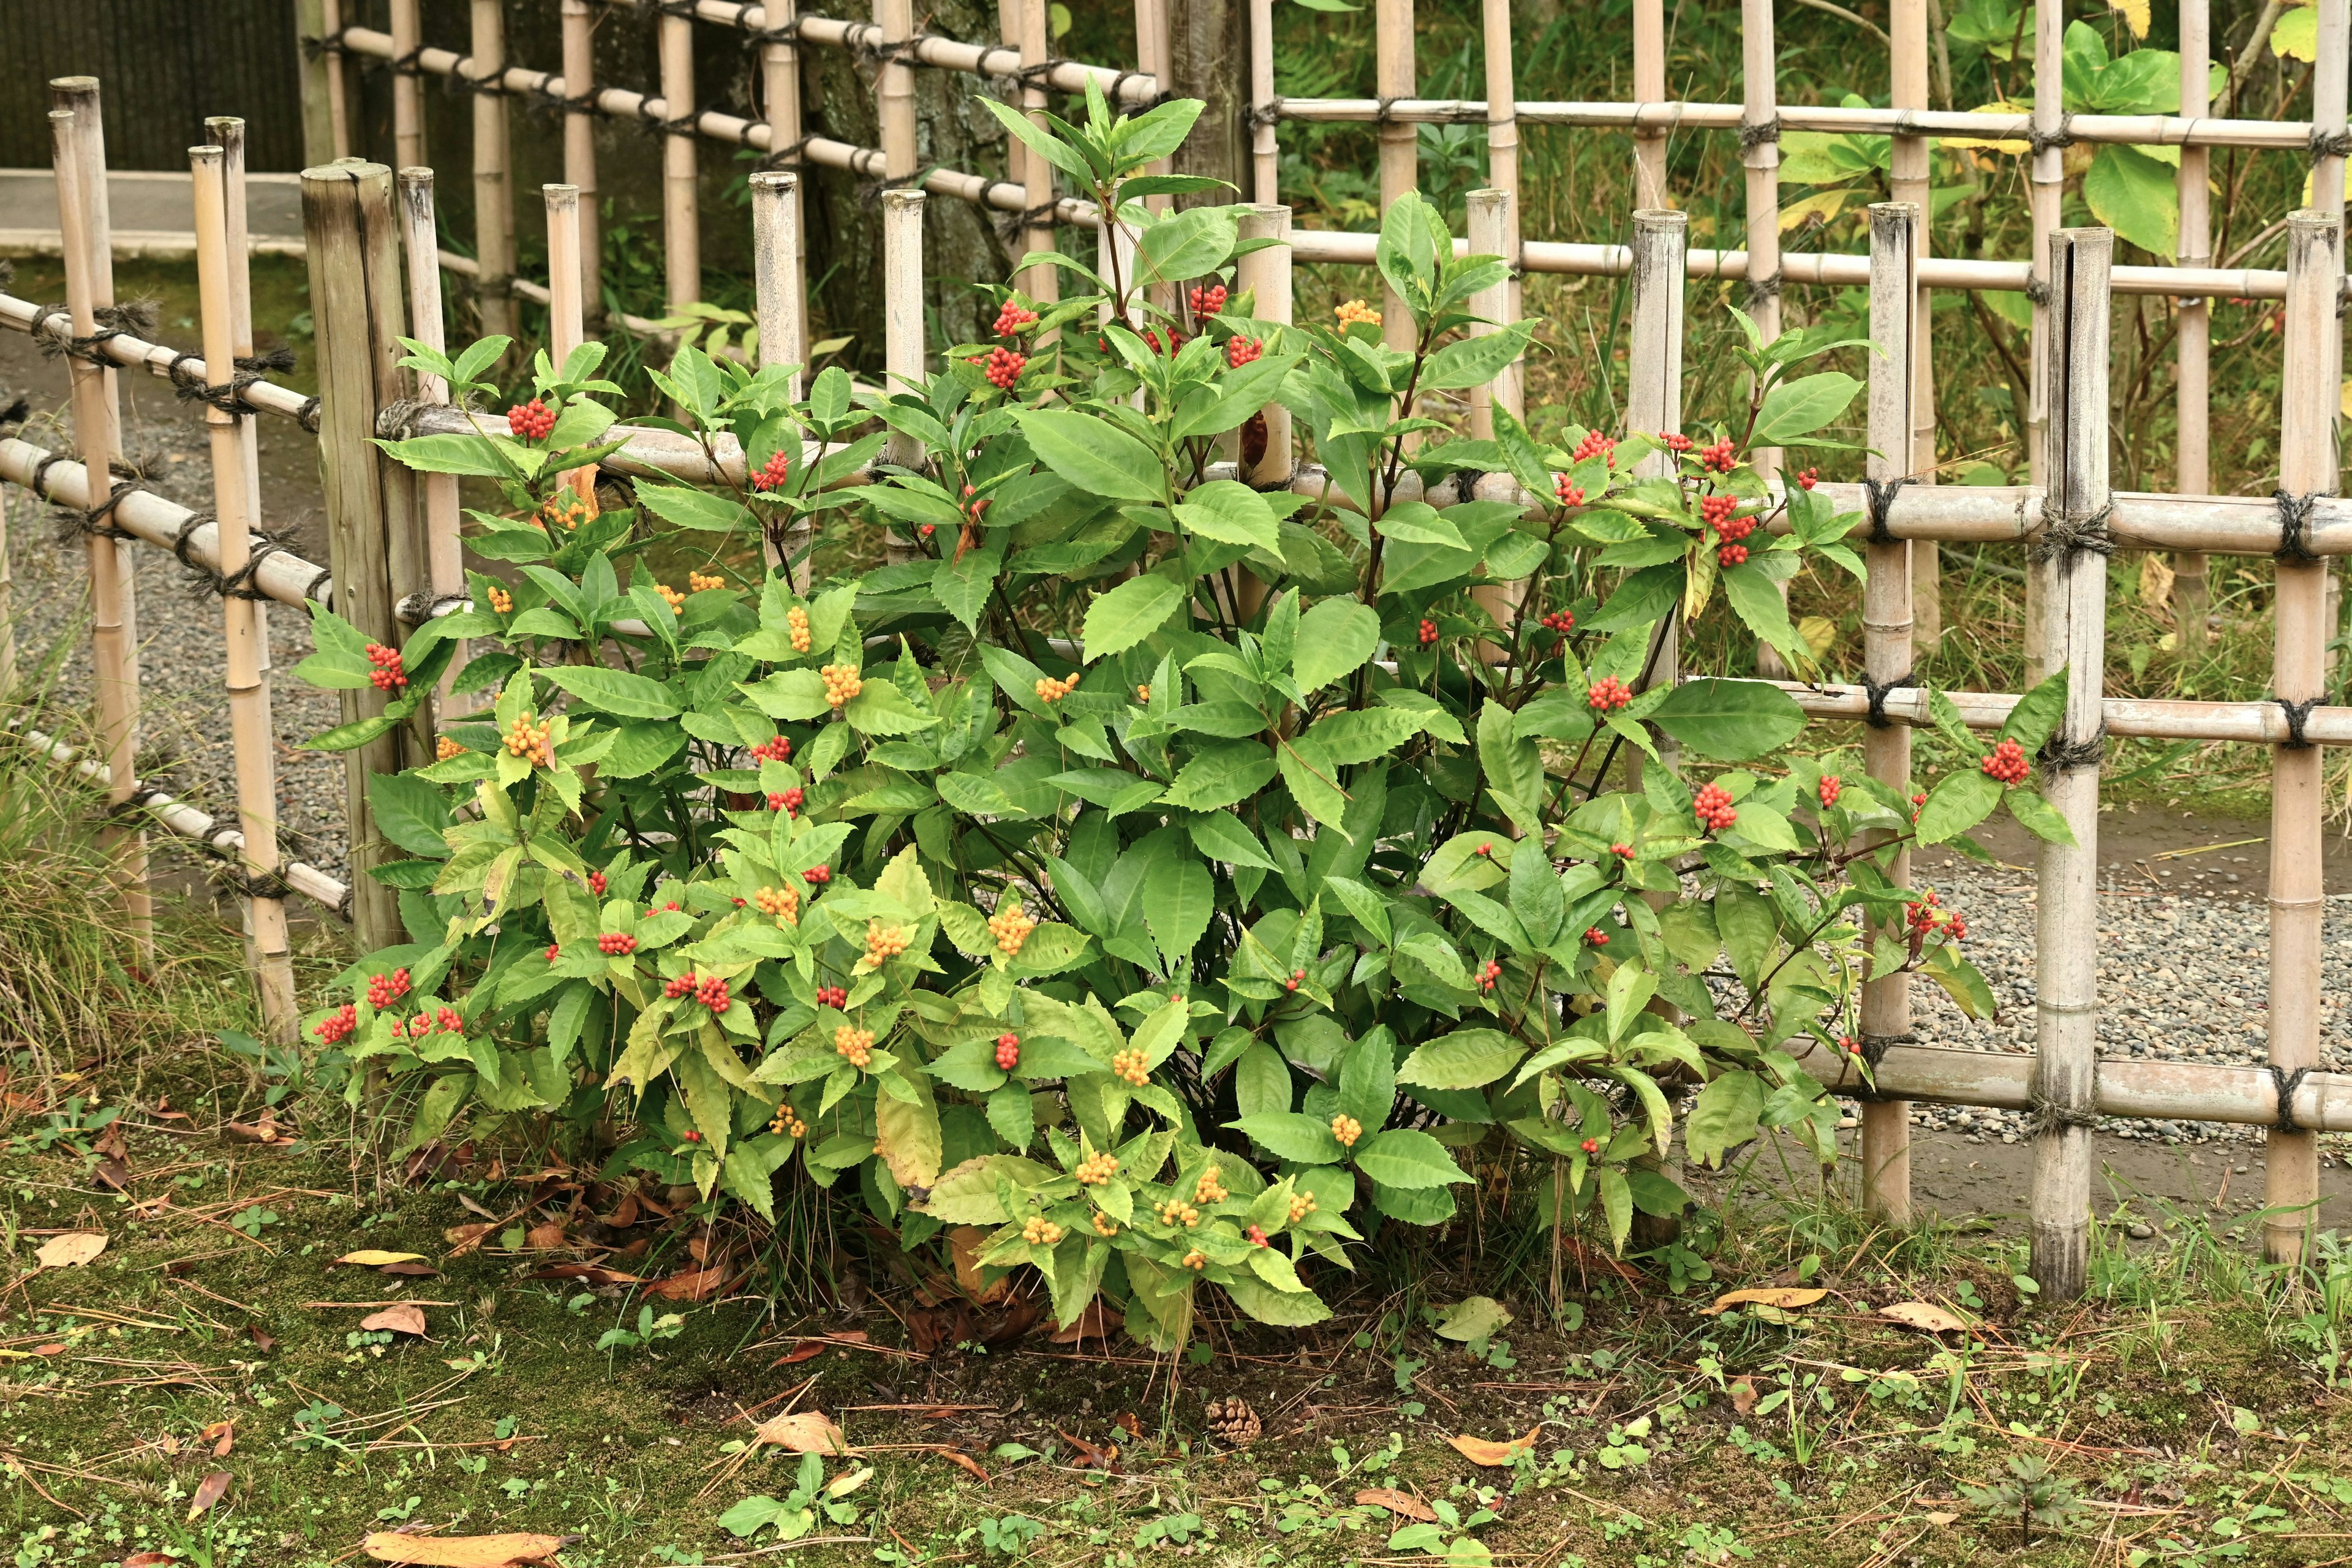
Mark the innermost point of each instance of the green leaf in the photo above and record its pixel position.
(1128, 614)
(1359, 734)
(1221, 774)
(1800, 407)
(616, 691)
(1222, 837)
(1335, 637)
(881, 709)
(1407, 1159)
(1261, 1082)
(1756, 597)
(2035, 718)
(686, 507)
(1367, 1078)
(1536, 897)
(1291, 1135)
(1094, 456)
(1313, 779)
(1284, 1309)
(1231, 513)
(1723, 1117)
(1474, 362)
(1731, 720)
(2135, 195)
(2038, 817)
(411, 812)
(1179, 896)
(1466, 1059)
(1961, 801)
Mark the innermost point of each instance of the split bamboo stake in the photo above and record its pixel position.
(567, 323)
(894, 89)
(1266, 446)
(2329, 141)
(437, 493)
(1653, 389)
(775, 284)
(2298, 675)
(1490, 231)
(494, 224)
(579, 146)
(1151, 52)
(1503, 151)
(1650, 88)
(338, 77)
(248, 689)
(80, 160)
(902, 309)
(407, 87)
(2194, 326)
(681, 236)
(320, 65)
(780, 67)
(2047, 182)
(2072, 561)
(1907, 26)
(1043, 283)
(1886, 661)
(1265, 151)
(1759, 153)
(1394, 73)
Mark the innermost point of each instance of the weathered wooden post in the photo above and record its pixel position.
(1042, 282)
(776, 276)
(1654, 386)
(1266, 151)
(902, 308)
(567, 318)
(321, 64)
(780, 67)
(894, 89)
(1649, 88)
(2046, 186)
(1503, 144)
(1759, 155)
(437, 493)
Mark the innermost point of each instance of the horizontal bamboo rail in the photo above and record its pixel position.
(1132, 87)
(2159, 719)
(134, 353)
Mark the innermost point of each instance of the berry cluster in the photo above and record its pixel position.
(708, 990)
(1176, 1211)
(796, 627)
(652, 909)
(387, 675)
(1209, 1189)
(1052, 690)
(1258, 1238)
(532, 421)
(1012, 319)
(616, 944)
(883, 942)
(1591, 1145)
(1716, 512)
(1732, 556)
(1594, 445)
(787, 801)
(842, 683)
(1240, 351)
(1096, 1169)
(1827, 790)
(1104, 1223)
(1003, 367)
(1152, 339)
(1131, 1066)
(1595, 937)
(1008, 1051)
(1674, 442)
(1928, 917)
(1346, 1130)
(1428, 631)
(1143, 692)
(787, 1121)
(1568, 494)
(1808, 478)
(1208, 302)
(337, 1026)
(784, 903)
(445, 748)
(817, 876)
(1301, 1205)
(1623, 851)
(1196, 1260)
(385, 989)
(1849, 1044)
(676, 600)
(1354, 310)
(854, 1044)
(564, 509)
(1718, 458)
(441, 1021)
(776, 749)
(773, 473)
(2006, 763)
(1607, 695)
(831, 996)
(1919, 802)
(1712, 806)
(1488, 973)
(1559, 621)
(596, 883)
(1039, 1231)
(528, 740)
(501, 600)
(1011, 926)
(1297, 978)
(703, 583)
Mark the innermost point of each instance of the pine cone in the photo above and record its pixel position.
(1232, 1422)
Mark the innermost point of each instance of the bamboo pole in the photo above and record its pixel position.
(681, 234)
(579, 21)
(1503, 160)
(1886, 624)
(1395, 76)
(780, 67)
(80, 161)
(1653, 390)
(894, 89)
(2193, 476)
(902, 309)
(494, 222)
(2066, 915)
(2329, 73)
(7, 613)
(338, 82)
(1908, 25)
(1265, 151)
(373, 542)
(444, 555)
(567, 324)
(2298, 674)
(318, 67)
(2046, 178)
(1151, 52)
(248, 690)
(1490, 233)
(1267, 458)
(1650, 88)
(1759, 155)
(407, 87)
(1042, 282)
(776, 273)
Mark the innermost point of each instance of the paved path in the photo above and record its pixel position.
(152, 214)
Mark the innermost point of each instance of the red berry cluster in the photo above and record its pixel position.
(2006, 763)
(1718, 458)
(652, 909)
(817, 876)
(1008, 1051)
(1732, 556)
(1828, 790)
(385, 989)
(552, 950)
(787, 801)
(712, 993)
(831, 996)
(690, 1136)
(1569, 494)
(1595, 444)
(1003, 367)
(1849, 1044)
(1258, 1238)
(1595, 937)
(441, 1020)
(1152, 339)
(531, 421)
(337, 1026)
(1674, 443)
(1918, 801)
(1716, 512)
(387, 675)
(776, 749)
(1591, 1145)
(1928, 916)
(1487, 976)
(1607, 695)
(1240, 351)
(1014, 318)
(1297, 978)
(1428, 632)
(1208, 302)
(616, 944)
(1809, 477)
(773, 473)
(1712, 806)
(1559, 621)
(1623, 851)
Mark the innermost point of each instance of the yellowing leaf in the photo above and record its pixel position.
(2295, 36)
(1820, 631)
(802, 1432)
(2014, 149)
(2134, 14)
(1921, 1315)
(463, 1550)
(405, 1318)
(72, 1250)
(1397, 1502)
(1785, 1297)
(372, 1258)
(1481, 1451)
(1821, 206)
(209, 1492)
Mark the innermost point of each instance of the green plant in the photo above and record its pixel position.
(2033, 1492)
(813, 1499)
(1345, 837)
(650, 1330)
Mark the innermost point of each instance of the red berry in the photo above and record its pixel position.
(1591, 1145)
(1208, 302)
(1569, 494)
(596, 883)
(552, 949)
(1004, 367)
(1849, 1044)
(1008, 1051)
(1712, 806)
(1623, 851)
(1559, 621)
(1428, 632)
(387, 675)
(1732, 556)
(1595, 937)
(1489, 974)
(616, 944)
(1595, 444)
(1240, 351)
(1013, 318)
(2007, 763)
(691, 1136)
(1809, 478)
(1828, 790)
(778, 750)
(530, 421)
(1258, 1238)
(817, 876)
(1674, 442)
(1607, 695)
(1719, 457)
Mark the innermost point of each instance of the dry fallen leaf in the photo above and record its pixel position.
(210, 1491)
(694, 1285)
(1921, 1315)
(72, 1250)
(1785, 1298)
(546, 1236)
(371, 1258)
(1094, 1321)
(411, 1271)
(149, 1560)
(464, 1551)
(802, 1432)
(1089, 1456)
(401, 1320)
(588, 1273)
(1939, 1519)
(222, 1436)
(1397, 1502)
(849, 1481)
(1743, 1396)
(1479, 1451)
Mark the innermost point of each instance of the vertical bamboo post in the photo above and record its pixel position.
(1264, 276)
(1649, 88)
(494, 224)
(407, 86)
(2298, 676)
(1653, 389)
(2329, 73)
(1395, 74)
(1151, 51)
(318, 67)
(1503, 154)
(776, 273)
(567, 323)
(248, 690)
(373, 544)
(780, 69)
(2193, 386)
(1759, 155)
(80, 161)
(338, 82)
(1489, 225)
(1043, 283)
(2047, 184)
(1886, 658)
(894, 88)
(579, 22)
(7, 610)
(681, 232)
(2072, 552)
(1908, 25)
(420, 240)
(902, 309)
(1265, 151)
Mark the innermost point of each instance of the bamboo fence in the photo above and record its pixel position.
(396, 558)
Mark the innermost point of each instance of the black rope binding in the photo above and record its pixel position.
(1878, 693)
(98, 521)
(2037, 291)
(2294, 526)
(1758, 135)
(232, 874)
(1878, 499)
(17, 413)
(1260, 115)
(2298, 714)
(331, 44)
(2061, 137)
(1874, 1049)
(2074, 533)
(2048, 1115)
(2329, 143)
(41, 471)
(1762, 289)
(2060, 756)
(2286, 1083)
(407, 64)
(307, 415)
(785, 157)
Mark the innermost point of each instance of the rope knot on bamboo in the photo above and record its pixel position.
(2047, 141)
(1878, 499)
(1757, 133)
(2285, 1083)
(2336, 143)
(397, 420)
(2298, 714)
(2069, 532)
(2294, 526)
(98, 521)
(2049, 1115)
(2060, 754)
(1762, 289)
(1878, 692)
(1260, 115)
(785, 157)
